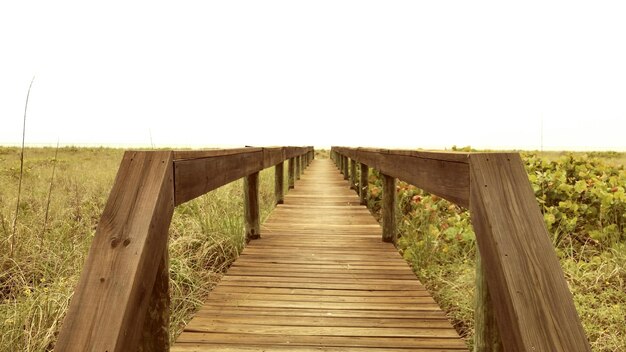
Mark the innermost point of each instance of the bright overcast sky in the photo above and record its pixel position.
(426, 74)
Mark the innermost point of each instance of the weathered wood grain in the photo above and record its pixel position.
(443, 174)
(533, 306)
(273, 156)
(108, 309)
(364, 184)
(389, 209)
(155, 336)
(252, 220)
(196, 177)
(486, 334)
(199, 175)
(292, 173)
(353, 178)
(207, 153)
(279, 183)
(298, 167)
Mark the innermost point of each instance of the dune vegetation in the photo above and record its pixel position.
(43, 249)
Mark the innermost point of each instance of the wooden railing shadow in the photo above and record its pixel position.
(121, 302)
(523, 301)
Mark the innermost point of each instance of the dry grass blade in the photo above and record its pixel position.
(13, 241)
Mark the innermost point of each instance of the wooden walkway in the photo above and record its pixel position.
(320, 279)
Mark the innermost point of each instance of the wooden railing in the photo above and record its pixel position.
(523, 301)
(121, 302)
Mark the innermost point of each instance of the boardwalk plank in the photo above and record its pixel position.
(320, 279)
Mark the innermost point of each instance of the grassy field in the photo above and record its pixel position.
(206, 235)
(37, 280)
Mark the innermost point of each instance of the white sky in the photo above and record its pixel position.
(426, 74)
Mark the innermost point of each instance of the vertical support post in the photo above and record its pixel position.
(353, 179)
(291, 173)
(298, 165)
(110, 307)
(364, 184)
(155, 335)
(389, 209)
(302, 163)
(279, 184)
(345, 168)
(486, 334)
(532, 303)
(251, 206)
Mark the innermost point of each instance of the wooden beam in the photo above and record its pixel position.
(252, 222)
(389, 209)
(273, 156)
(533, 305)
(196, 177)
(155, 335)
(353, 181)
(443, 174)
(208, 153)
(205, 171)
(364, 184)
(298, 166)
(292, 173)
(486, 334)
(346, 173)
(108, 309)
(279, 184)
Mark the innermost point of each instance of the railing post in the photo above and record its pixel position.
(251, 206)
(279, 184)
(110, 308)
(291, 173)
(532, 303)
(353, 179)
(297, 162)
(486, 334)
(302, 163)
(345, 168)
(389, 208)
(364, 184)
(155, 336)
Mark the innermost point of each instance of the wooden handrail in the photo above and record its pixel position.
(126, 274)
(443, 174)
(531, 302)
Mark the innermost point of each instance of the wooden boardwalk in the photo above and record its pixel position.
(320, 279)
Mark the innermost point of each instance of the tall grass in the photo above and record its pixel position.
(36, 285)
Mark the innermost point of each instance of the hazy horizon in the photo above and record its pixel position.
(321, 147)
